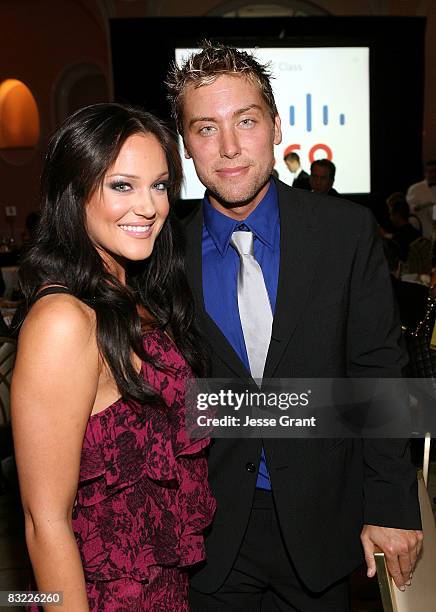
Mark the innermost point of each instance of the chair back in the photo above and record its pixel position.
(419, 257)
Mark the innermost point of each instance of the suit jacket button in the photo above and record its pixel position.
(250, 467)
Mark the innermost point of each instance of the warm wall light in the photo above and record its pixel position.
(19, 117)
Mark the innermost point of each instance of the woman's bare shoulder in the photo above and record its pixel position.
(59, 317)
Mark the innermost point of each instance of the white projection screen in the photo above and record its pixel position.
(322, 96)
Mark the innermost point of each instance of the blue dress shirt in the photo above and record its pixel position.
(221, 267)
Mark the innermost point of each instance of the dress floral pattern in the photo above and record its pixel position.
(143, 499)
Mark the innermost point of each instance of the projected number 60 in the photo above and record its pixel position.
(316, 147)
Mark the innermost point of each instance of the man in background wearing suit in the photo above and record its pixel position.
(322, 177)
(292, 161)
(290, 511)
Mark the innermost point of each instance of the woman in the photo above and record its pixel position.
(115, 496)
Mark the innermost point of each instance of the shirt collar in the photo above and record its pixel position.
(262, 221)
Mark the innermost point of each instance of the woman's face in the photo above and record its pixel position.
(124, 217)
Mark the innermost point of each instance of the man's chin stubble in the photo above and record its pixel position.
(229, 203)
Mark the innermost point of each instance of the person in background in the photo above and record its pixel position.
(322, 177)
(421, 198)
(286, 287)
(403, 231)
(398, 196)
(292, 161)
(411, 297)
(115, 495)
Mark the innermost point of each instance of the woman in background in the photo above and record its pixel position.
(115, 495)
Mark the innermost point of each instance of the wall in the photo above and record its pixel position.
(40, 40)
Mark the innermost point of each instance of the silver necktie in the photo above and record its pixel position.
(254, 305)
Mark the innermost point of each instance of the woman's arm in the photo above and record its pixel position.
(53, 390)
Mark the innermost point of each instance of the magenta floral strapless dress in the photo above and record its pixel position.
(143, 499)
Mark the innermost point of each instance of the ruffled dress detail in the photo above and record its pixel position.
(143, 498)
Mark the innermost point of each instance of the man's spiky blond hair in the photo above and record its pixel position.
(205, 66)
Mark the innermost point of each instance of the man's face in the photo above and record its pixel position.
(229, 133)
(320, 180)
(292, 165)
(395, 218)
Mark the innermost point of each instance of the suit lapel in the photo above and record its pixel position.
(299, 251)
(194, 272)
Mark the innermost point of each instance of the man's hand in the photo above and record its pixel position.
(400, 546)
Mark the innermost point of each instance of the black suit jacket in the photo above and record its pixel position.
(302, 181)
(334, 318)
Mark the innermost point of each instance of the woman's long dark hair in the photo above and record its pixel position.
(79, 155)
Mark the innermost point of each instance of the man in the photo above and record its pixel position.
(290, 512)
(322, 177)
(403, 231)
(411, 297)
(292, 161)
(422, 199)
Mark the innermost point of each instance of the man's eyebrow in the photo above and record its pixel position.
(197, 119)
(238, 112)
(241, 111)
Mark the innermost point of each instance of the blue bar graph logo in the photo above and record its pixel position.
(325, 114)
